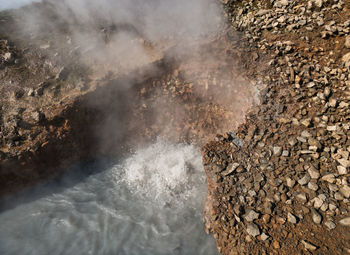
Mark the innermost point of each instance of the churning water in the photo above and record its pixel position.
(149, 203)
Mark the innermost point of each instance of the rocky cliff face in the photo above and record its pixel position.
(280, 183)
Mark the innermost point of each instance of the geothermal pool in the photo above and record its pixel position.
(150, 202)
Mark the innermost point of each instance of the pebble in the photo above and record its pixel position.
(264, 237)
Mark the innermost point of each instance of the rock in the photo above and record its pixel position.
(344, 162)
(38, 116)
(277, 151)
(345, 222)
(309, 246)
(316, 217)
(276, 244)
(313, 186)
(62, 74)
(291, 218)
(347, 41)
(346, 59)
(345, 191)
(30, 92)
(253, 230)
(342, 170)
(230, 169)
(330, 224)
(314, 174)
(251, 216)
(304, 180)
(8, 57)
(290, 182)
(264, 237)
(328, 178)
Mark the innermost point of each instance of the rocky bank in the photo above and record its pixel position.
(280, 184)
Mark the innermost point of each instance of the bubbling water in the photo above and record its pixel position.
(149, 203)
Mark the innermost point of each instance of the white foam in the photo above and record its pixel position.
(149, 204)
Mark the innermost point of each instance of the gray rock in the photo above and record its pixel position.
(251, 215)
(253, 230)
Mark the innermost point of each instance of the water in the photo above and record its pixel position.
(149, 203)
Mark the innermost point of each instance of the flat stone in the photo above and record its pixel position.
(253, 230)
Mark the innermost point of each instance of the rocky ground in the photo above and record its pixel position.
(280, 184)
